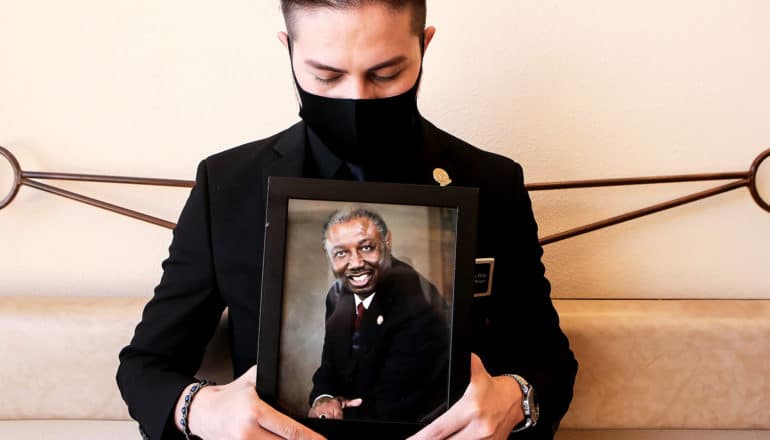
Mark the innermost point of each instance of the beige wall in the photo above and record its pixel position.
(571, 90)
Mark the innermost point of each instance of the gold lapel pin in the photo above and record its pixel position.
(441, 177)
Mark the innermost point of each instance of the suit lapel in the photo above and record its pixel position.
(341, 328)
(437, 154)
(289, 153)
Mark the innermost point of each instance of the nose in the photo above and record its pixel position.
(360, 88)
(355, 262)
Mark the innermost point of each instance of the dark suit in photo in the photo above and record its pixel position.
(397, 361)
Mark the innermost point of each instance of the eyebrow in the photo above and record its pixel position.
(389, 63)
(360, 242)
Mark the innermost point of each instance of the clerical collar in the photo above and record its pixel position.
(328, 163)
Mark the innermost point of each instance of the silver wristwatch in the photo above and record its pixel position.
(528, 404)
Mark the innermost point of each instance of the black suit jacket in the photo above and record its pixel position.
(215, 260)
(400, 369)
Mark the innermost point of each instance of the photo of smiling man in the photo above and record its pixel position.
(386, 344)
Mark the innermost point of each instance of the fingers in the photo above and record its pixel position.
(337, 412)
(261, 433)
(331, 412)
(455, 419)
(249, 377)
(333, 409)
(283, 426)
(336, 406)
(469, 433)
(352, 403)
(327, 408)
(460, 414)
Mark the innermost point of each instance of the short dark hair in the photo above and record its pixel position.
(345, 215)
(288, 7)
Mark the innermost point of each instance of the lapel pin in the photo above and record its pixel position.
(441, 177)
(380, 320)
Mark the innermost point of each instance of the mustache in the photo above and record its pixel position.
(360, 271)
(383, 264)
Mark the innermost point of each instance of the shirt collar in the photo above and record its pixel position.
(367, 302)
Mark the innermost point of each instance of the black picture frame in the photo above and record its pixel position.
(281, 190)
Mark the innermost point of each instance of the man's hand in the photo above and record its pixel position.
(235, 412)
(331, 407)
(489, 409)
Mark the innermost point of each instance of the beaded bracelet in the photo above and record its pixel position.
(187, 402)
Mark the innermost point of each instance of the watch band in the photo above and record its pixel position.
(529, 406)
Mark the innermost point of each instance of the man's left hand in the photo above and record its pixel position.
(489, 409)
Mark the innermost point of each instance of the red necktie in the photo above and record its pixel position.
(359, 316)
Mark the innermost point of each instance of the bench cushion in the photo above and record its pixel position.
(60, 356)
(673, 364)
(669, 364)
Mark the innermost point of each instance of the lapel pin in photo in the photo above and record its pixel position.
(441, 177)
(380, 320)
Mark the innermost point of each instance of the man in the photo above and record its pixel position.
(386, 347)
(357, 66)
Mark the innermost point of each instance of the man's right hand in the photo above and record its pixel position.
(235, 412)
(331, 407)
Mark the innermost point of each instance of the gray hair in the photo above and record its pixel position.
(345, 215)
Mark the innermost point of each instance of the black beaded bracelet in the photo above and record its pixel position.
(186, 406)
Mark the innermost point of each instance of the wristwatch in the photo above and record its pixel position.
(528, 404)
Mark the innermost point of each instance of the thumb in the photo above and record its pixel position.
(249, 377)
(353, 403)
(477, 367)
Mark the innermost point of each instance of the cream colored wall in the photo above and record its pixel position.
(571, 90)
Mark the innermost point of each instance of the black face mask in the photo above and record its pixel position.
(363, 131)
(366, 132)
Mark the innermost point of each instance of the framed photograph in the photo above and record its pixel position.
(365, 305)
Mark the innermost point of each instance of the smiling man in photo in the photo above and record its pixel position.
(386, 348)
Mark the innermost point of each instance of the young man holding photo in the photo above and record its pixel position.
(357, 67)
